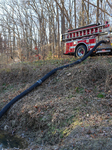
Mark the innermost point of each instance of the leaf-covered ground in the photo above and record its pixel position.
(72, 110)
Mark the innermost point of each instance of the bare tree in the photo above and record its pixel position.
(75, 13)
(88, 13)
(109, 3)
(26, 24)
(97, 15)
(82, 13)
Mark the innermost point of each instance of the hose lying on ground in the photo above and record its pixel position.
(39, 82)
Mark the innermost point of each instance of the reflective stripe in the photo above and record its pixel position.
(72, 47)
(91, 44)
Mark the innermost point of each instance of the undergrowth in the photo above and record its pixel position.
(72, 105)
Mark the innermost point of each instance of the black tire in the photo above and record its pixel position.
(111, 52)
(81, 51)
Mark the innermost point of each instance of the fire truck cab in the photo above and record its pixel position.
(81, 40)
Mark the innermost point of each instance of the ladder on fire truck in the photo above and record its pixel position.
(86, 31)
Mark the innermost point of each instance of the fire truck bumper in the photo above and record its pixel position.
(103, 50)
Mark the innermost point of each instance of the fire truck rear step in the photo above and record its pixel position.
(103, 50)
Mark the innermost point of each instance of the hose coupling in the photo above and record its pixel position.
(39, 81)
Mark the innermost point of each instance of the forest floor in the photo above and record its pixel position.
(72, 110)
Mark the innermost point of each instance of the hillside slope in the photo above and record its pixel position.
(70, 110)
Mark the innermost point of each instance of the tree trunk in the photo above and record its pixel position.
(88, 13)
(82, 13)
(97, 15)
(75, 13)
(62, 18)
(58, 34)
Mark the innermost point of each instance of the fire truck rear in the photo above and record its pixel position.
(80, 41)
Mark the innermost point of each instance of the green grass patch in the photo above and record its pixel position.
(101, 95)
(79, 90)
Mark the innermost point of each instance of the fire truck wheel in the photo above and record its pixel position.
(81, 51)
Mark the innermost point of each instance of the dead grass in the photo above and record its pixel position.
(71, 106)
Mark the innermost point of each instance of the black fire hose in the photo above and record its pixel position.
(39, 82)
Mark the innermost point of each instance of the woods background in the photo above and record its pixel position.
(31, 29)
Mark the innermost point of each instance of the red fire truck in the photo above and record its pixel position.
(81, 40)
